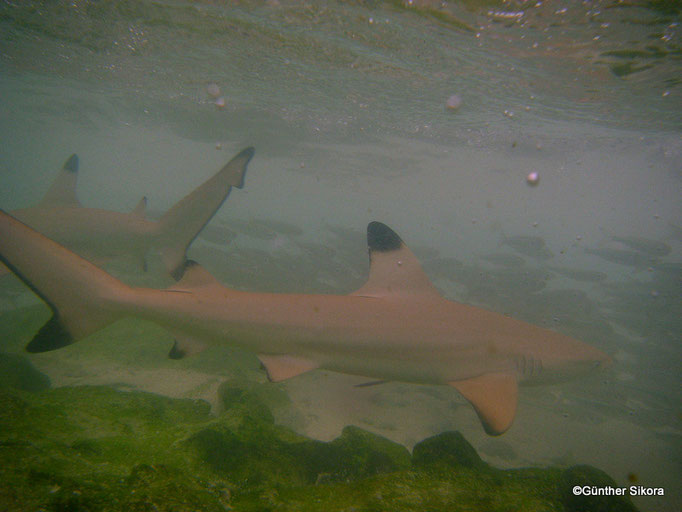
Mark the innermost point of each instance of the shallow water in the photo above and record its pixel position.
(345, 103)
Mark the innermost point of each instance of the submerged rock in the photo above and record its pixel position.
(449, 449)
(588, 476)
(259, 455)
(94, 448)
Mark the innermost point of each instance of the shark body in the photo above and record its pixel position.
(396, 327)
(100, 235)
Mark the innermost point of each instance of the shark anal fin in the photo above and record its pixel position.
(494, 397)
(282, 367)
(62, 192)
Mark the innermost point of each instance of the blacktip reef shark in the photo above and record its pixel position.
(395, 327)
(100, 235)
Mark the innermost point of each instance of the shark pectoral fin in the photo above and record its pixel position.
(282, 367)
(494, 397)
(62, 192)
(185, 346)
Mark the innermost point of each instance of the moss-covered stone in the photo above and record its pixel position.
(263, 455)
(244, 399)
(97, 449)
(447, 449)
(588, 476)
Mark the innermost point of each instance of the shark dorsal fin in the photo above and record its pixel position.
(62, 192)
(185, 346)
(141, 208)
(494, 397)
(194, 276)
(282, 367)
(393, 269)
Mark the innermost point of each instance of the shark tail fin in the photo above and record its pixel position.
(82, 297)
(183, 222)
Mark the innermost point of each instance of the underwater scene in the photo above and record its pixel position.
(340, 255)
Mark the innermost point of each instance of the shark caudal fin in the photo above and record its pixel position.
(81, 296)
(183, 222)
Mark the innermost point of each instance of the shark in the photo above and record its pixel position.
(396, 327)
(101, 235)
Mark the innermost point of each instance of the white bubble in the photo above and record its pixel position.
(533, 178)
(453, 102)
(213, 90)
(220, 103)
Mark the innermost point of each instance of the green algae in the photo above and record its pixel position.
(94, 448)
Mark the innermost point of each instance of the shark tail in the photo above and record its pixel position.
(180, 225)
(83, 298)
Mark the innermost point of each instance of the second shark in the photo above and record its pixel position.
(100, 235)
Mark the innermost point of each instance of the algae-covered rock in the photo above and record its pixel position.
(94, 448)
(261, 454)
(357, 454)
(244, 399)
(591, 477)
(449, 449)
(77, 449)
(18, 372)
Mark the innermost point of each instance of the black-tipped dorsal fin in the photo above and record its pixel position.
(393, 269)
(62, 192)
(494, 397)
(141, 208)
